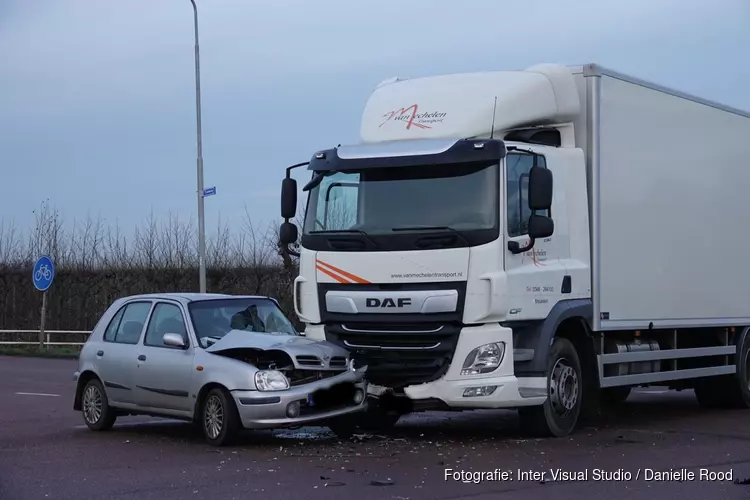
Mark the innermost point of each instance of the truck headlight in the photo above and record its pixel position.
(484, 359)
(271, 380)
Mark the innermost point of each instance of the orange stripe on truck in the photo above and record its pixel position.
(328, 269)
(334, 276)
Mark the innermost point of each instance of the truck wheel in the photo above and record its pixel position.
(375, 418)
(612, 396)
(220, 420)
(730, 391)
(379, 416)
(558, 415)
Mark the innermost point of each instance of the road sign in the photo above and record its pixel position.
(43, 273)
(209, 191)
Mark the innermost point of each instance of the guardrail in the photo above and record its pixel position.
(48, 334)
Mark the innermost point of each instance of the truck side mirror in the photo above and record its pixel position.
(540, 189)
(288, 233)
(288, 198)
(540, 226)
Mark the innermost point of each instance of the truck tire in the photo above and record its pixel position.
(728, 391)
(558, 416)
(375, 418)
(612, 396)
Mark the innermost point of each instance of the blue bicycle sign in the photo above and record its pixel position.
(44, 273)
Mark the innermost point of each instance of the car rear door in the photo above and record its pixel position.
(116, 356)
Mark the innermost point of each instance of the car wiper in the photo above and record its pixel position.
(432, 228)
(345, 231)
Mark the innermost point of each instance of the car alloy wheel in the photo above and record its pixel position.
(213, 417)
(92, 405)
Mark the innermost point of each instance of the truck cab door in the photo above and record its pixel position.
(535, 276)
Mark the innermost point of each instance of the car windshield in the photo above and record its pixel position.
(461, 196)
(212, 319)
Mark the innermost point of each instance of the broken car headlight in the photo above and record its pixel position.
(484, 359)
(271, 380)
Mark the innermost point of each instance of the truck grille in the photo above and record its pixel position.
(398, 355)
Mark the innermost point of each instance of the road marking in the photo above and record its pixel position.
(37, 394)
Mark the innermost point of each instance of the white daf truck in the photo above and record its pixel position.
(542, 239)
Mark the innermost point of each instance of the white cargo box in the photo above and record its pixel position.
(669, 183)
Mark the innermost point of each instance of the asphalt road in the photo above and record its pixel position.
(46, 452)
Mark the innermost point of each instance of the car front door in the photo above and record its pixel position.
(116, 356)
(163, 374)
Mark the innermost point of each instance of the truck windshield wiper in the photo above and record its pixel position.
(345, 231)
(431, 228)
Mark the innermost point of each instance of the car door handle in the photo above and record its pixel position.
(142, 357)
(100, 353)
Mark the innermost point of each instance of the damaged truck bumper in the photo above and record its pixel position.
(495, 390)
(314, 402)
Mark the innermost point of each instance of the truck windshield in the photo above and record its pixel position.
(398, 202)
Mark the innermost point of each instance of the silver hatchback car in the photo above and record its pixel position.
(225, 362)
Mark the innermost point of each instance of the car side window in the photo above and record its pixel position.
(166, 318)
(130, 321)
(518, 168)
(111, 331)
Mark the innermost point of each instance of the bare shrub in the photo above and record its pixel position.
(97, 262)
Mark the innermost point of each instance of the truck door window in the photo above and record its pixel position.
(518, 167)
(337, 203)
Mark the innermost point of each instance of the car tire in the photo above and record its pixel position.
(558, 416)
(219, 419)
(97, 413)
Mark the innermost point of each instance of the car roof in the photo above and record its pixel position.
(187, 297)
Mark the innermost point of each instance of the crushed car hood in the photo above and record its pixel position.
(292, 345)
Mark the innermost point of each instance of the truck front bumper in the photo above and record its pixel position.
(501, 388)
(296, 406)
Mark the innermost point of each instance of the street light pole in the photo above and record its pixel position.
(199, 166)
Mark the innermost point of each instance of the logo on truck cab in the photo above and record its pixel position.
(412, 117)
(388, 302)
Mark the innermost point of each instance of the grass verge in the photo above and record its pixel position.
(69, 352)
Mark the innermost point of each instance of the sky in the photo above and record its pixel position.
(97, 97)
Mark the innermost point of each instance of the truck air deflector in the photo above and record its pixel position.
(407, 154)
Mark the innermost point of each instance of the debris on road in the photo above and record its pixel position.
(381, 482)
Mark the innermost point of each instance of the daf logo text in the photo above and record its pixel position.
(388, 302)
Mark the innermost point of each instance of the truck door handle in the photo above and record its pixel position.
(100, 353)
(142, 357)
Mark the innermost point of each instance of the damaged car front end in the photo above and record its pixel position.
(275, 377)
(295, 380)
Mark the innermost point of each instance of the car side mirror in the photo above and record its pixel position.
(540, 226)
(288, 198)
(540, 189)
(173, 340)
